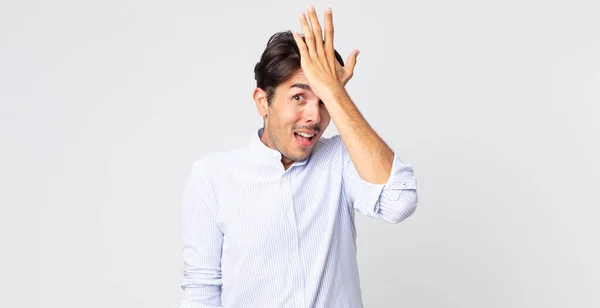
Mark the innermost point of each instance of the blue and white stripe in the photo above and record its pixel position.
(256, 235)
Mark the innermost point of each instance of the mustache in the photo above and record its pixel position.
(315, 127)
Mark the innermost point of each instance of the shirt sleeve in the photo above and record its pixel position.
(202, 242)
(391, 202)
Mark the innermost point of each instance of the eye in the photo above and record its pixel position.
(298, 97)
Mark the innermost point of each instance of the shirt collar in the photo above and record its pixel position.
(262, 151)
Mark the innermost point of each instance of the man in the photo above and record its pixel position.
(272, 224)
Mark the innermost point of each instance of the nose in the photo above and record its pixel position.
(312, 112)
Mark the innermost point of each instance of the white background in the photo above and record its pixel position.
(105, 105)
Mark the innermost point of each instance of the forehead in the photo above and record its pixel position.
(296, 82)
(297, 77)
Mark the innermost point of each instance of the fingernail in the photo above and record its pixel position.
(328, 10)
(311, 9)
(301, 16)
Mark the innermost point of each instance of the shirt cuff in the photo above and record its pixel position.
(401, 178)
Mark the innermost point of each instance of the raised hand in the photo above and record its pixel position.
(317, 56)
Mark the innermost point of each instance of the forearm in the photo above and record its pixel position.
(369, 153)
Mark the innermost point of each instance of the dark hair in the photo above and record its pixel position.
(277, 63)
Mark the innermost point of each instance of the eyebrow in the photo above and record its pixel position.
(301, 86)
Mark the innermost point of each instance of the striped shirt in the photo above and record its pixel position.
(256, 235)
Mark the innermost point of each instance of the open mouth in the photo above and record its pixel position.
(304, 139)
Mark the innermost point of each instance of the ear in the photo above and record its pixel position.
(260, 99)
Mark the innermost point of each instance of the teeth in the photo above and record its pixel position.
(305, 135)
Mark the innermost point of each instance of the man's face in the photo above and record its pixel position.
(295, 120)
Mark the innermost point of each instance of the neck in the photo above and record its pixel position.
(287, 163)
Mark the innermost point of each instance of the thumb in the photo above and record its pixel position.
(351, 62)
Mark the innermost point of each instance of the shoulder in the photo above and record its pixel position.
(216, 162)
(334, 141)
(331, 145)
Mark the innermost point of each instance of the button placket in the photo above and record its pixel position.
(295, 258)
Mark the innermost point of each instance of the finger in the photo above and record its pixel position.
(316, 30)
(351, 62)
(308, 35)
(301, 46)
(329, 51)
